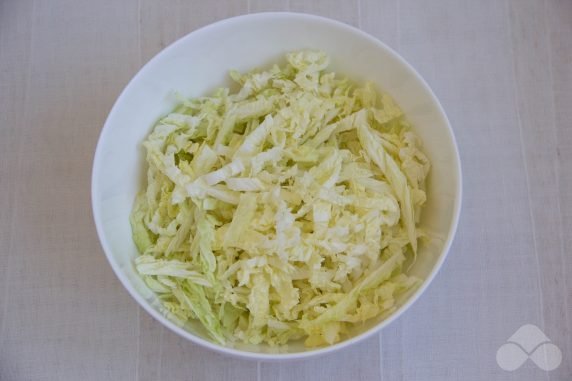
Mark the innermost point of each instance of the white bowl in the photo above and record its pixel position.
(198, 63)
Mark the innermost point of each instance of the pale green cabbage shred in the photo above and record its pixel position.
(282, 211)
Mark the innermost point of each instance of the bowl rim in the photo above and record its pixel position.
(273, 356)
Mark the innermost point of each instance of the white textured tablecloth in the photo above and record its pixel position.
(503, 71)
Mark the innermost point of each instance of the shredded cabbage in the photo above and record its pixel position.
(283, 211)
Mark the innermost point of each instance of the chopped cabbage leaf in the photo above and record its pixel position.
(283, 211)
